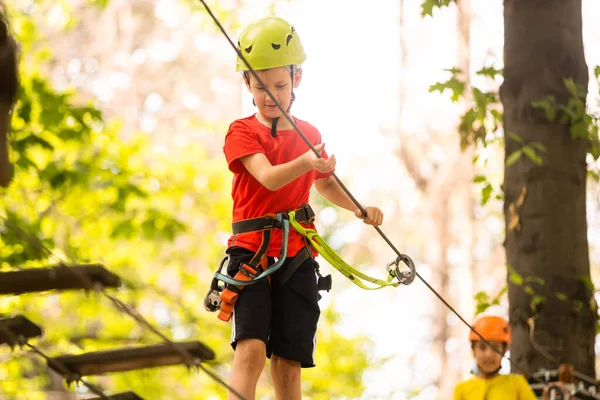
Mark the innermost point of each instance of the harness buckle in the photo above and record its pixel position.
(273, 222)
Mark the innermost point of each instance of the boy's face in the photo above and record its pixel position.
(279, 82)
(488, 360)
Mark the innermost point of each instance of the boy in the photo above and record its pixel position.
(488, 383)
(273, 172)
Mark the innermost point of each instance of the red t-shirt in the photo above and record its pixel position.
(251, 199)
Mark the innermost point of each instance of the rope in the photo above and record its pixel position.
(338, 263)
(51, 362)
(305, 139)
(189, 360)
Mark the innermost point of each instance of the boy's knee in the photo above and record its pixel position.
(251, 351)
(285, 367)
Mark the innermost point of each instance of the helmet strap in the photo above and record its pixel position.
(293, 94)
(274, 127)
(276, 120)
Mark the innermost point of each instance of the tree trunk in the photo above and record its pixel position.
(5, 167)
(545, 207)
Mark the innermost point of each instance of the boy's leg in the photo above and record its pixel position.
(293, 330)
(251, 322)
(248, 362)
(286, 378)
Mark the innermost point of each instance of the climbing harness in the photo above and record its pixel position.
(224, 297)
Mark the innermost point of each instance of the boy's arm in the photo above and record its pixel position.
(332, 191)
(275, 177)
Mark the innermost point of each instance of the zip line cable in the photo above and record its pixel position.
(401, 257)
(189, 360)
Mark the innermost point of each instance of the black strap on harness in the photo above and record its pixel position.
(279, 279)
(304, 214)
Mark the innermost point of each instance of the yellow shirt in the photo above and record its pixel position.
(500, 387)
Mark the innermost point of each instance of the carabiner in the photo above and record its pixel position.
(404, 277)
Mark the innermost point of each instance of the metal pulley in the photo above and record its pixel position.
(404, 277)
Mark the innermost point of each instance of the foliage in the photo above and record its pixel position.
(481, 124)
(582, 124)
(428, 6)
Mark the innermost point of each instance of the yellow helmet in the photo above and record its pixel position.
(269, 43)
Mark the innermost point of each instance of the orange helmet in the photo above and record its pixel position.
(492, 328)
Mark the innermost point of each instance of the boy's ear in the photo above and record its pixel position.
(247, 82)
(297, 78)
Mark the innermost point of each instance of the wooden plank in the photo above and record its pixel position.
(55, 278)
(129, 359)
(120, 396)
(20, 327)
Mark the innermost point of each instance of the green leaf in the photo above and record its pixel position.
(548, 105)
(529, 290)
(497, 115)
(597, 71)
(579, 130)
(513, 158)
(538, 299)
(480, 179)
(489, 72)
(482, 297)
(427, 8)
(516, 138)
(530, 152)
(428, 5)
(536, 279)
(587, 281)
(514, 276)
(454, 71)
(577, 305)
(486, 192)
(561, 296)
(454, 85)
(570, 85)
(538, 146)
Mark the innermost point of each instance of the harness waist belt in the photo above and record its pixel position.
(304, 214)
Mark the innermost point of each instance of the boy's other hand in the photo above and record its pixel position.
(374, 216)
(320, 164)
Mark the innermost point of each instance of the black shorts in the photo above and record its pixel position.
(284, 318)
